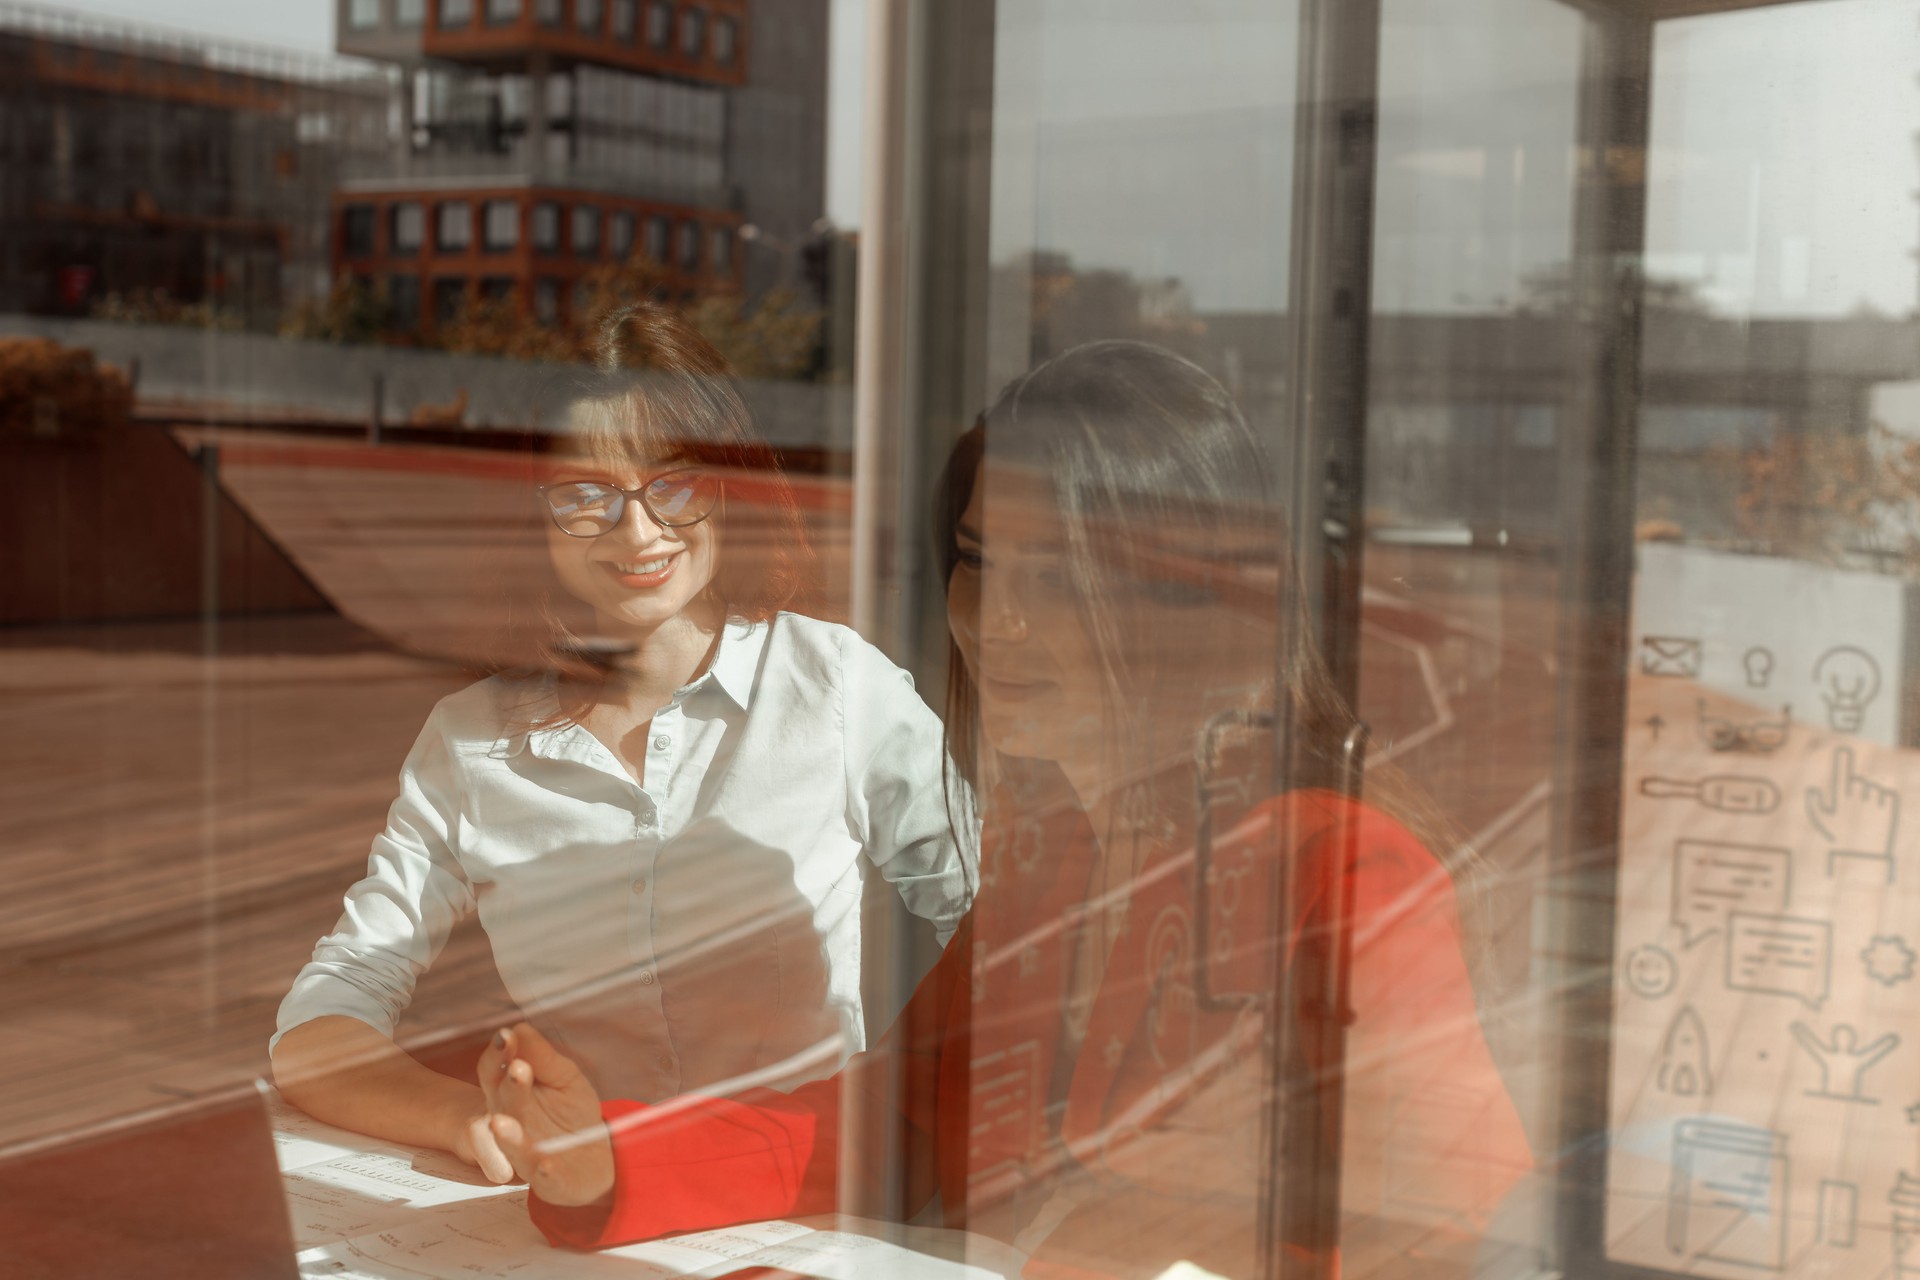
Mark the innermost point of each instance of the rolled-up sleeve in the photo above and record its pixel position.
(896, 798)
(398, 916)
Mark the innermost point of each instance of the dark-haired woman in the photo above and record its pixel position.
(665, 820)
(1083, 1072)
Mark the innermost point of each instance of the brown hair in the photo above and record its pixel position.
(1132, 438)
(658, 392)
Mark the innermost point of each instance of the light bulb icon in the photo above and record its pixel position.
(1759, 666)
(1848, 679)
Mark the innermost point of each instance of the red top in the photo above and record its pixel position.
(1152, 1149)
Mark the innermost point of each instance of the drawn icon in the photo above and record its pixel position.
(1651, 971)
(1758, 664)
(1843, 1061)
(1712, 878)
(1913, 1114)
(1889, 960)
(1727, 792)
(1839, 1213)
(1754, 736)
(1677, 657)
(1656, 724)
(1780, 956)
(1905, 1199)
(1848, 680)
(1729, 1192)
(1858, 816)
(1684, 1070)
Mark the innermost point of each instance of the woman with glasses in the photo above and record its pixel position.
(1091, 1073)
(664, 810)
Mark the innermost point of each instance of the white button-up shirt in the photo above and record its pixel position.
(675, 934)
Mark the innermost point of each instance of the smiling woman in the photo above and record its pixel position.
(663, 810)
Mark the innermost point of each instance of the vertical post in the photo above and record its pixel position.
(1596, 463)
(208, 458)
(871, 1142)
(1330, 306)
(376, 409)
(882, 321)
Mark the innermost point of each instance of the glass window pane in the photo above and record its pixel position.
(502, 224)
(455, 226)
(586, 230)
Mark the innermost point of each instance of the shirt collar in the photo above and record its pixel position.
(735, 664)
(737, 660)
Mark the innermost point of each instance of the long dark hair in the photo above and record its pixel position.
(660, 392)
(1137, 443)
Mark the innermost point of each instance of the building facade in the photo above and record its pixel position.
(184, 174)
(540, 139)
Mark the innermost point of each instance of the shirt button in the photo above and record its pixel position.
(665, 1062)
(640, 885)
(646, 978)
(661, 742)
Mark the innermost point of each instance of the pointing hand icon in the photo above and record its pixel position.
(1857, 815)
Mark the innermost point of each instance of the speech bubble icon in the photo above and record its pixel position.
(1780, 956)
(1712, 879)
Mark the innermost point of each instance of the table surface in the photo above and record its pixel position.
(363, 1208)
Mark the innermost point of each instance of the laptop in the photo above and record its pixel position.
(190, 1191)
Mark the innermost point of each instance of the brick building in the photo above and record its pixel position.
(538, 139)
(134, 161)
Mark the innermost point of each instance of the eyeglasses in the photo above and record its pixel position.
(1722, 734)
(588, 508)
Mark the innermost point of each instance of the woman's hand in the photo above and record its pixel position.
(473, 1141)
(545, 1116)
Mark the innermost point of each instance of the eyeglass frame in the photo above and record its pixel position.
(633, 495)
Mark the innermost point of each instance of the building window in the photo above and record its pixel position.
(503, 10)
(623, 20)
(689, 246)
(720, 251)
(449, 293)
(357, 230)
(403, 302)
(620, 235)
(456, 13)
(497, 288)
(546, 300)
(363, 14)
(407, 228)
(409, 13)
(454, 229)
(726, 40)
(588, 13)
(544, 229)
(660, 25)
(657, 239)
(586, 231)
(549, 11)
(693, 33)
(500, 229)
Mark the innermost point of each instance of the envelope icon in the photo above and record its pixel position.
(1676, 656)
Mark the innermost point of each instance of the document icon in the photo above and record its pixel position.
(1676, 656)
(1728, 1201)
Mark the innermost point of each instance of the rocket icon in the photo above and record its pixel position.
(1683, 1071)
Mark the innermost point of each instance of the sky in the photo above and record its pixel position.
(1155, 136)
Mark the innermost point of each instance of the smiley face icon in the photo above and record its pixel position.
(1651, 971)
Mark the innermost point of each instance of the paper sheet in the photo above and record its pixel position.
(368, 1210)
